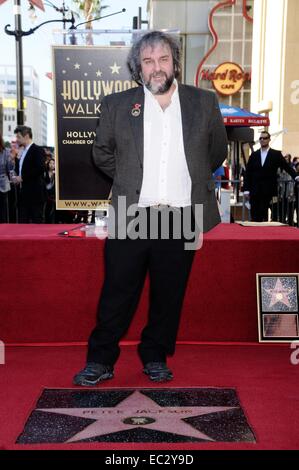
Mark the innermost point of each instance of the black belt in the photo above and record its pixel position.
(165, 206)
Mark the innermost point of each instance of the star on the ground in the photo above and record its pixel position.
(98, 73)
(115, 68)
(279, 294)
(77, 66)
(137, 411)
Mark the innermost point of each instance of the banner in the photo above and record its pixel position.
(82, 77)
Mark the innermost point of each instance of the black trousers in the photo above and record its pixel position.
(126, 263)
(259, 207)
(31, 212)
(4, 208)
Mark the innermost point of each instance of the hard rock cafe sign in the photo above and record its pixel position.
(228, 78)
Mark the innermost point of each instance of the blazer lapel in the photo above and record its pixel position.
(267, 157)
(26, 161)
(187, 111)
(136, 114)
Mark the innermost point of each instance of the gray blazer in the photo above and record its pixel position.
(118, 147)
(5, 166)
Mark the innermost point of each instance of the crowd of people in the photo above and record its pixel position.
(27, 183)
(27, 186)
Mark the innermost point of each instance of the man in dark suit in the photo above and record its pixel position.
(160, 143)
(260, 182)
(30, 170)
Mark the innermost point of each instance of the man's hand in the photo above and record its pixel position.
(17, 179)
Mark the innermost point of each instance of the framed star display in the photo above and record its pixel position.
(277, 305)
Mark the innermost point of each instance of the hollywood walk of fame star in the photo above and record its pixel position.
(77, 66)
(279, 294)
(98, 73)
(115, 68)
(135, 411)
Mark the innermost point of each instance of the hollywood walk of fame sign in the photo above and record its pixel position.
(137, 415)
(82, 77)
(278, 312)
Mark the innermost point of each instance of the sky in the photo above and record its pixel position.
(37, 47)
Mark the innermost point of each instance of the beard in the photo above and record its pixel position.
(159, 88)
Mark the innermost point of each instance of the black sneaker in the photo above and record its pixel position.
(158, 371)
(92, 374)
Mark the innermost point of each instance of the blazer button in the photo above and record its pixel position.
(137, 191)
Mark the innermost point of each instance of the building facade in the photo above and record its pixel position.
(35, 109)
(275, 74)
(216, 43)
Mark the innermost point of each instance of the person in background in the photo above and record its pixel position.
(48, 154)
(50, 187)
(260, 183)
(218, 176)
(226, 178)
(30, 177)
(295, 161)
(6, 169)
(283, 210)
(13, 195)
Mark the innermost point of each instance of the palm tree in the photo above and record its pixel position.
(90, 9)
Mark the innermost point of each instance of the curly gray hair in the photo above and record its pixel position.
(152, 39)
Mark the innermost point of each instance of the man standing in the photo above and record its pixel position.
(31, 168)
(260, 182)
(160, 143)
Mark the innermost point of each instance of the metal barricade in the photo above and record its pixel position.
(284, 207)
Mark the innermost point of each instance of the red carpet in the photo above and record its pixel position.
(49, 293)
(263, 376)
(50, 285)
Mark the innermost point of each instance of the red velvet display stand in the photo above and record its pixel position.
(50, 285)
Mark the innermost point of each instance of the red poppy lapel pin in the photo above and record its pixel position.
(136, 110)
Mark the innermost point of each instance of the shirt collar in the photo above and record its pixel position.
(26, 150)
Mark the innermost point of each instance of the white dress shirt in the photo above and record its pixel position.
(264, 154)
(166, 179)
(22, 158)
